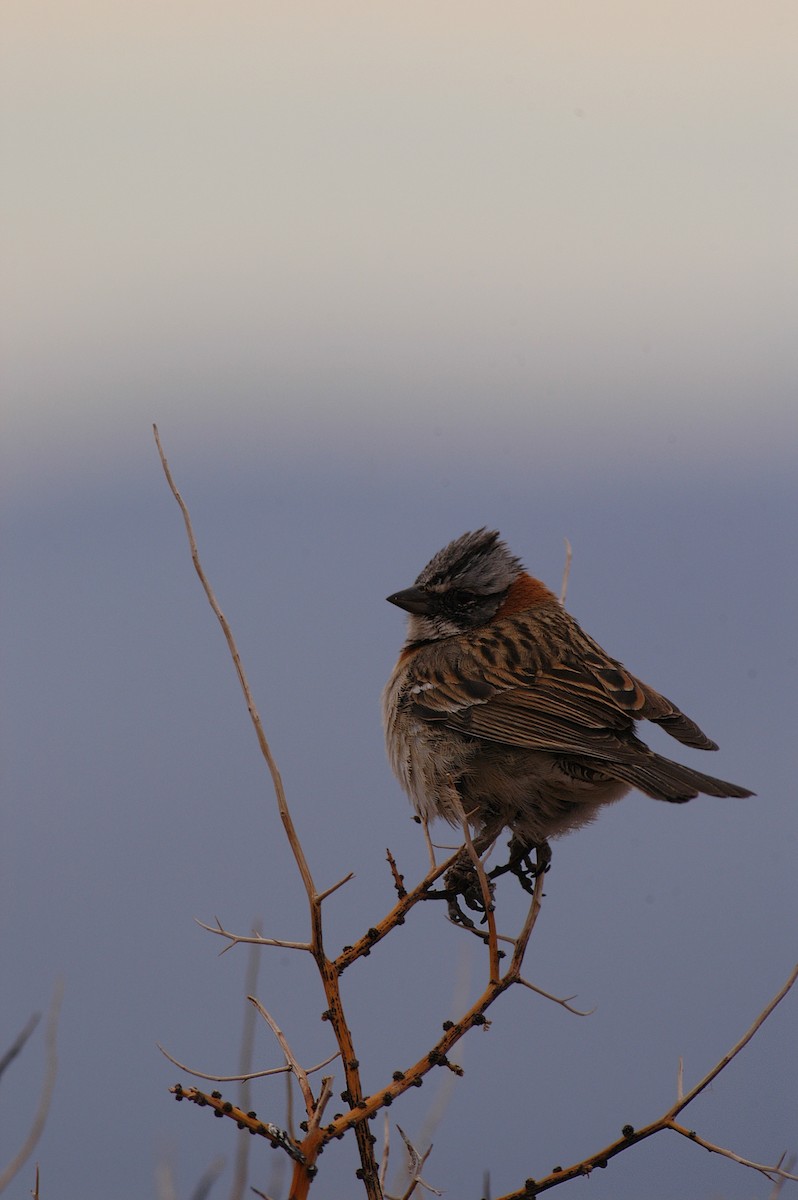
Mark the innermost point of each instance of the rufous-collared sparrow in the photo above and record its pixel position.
(502, 708)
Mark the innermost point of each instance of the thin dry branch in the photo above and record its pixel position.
(48, 1084)
(322, 896)
(692, 1136)
(688, 1097)
(279, 790)
(631, 1136)
(428, 842)
(564, 1002)
(487, 898)
(480, 933)
(300, 1074)
(324, 1098)
(285, 1069)
(19, 1041)
(253, 939)
(778, 1186)
(566, 572)
(305, 1167)
(522, 941)
(416, 1162)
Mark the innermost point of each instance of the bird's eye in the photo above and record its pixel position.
(462, 596)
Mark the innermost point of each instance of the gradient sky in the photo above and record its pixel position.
(384, 273)
(294, 214)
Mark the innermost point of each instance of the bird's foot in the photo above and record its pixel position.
(463, 883)
(521, 865)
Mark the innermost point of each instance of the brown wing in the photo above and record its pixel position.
(535, 680)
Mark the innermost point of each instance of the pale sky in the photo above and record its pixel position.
(579, 218)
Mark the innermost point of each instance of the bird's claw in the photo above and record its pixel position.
(521, 865)
(462, 883)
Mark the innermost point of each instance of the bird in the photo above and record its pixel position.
(502, 708)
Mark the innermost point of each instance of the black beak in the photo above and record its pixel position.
(412, 600)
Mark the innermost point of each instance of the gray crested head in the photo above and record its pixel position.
(478, 560)
(462, 587)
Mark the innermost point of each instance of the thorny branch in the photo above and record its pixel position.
(415, 1163)
(363, 1107)
(327, 969)
(631, 1136)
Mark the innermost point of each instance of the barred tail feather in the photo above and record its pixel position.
(685, 731)
(665, 713)
(663, 779)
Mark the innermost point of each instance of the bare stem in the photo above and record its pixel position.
(327, 970)
(19, 1041)
(667, 1121)
(285, 1069)
(487, 899)
(279, 790)
(253, 939)
(566, 572)
(395, 917)
(50, 1073)
(692, 1136)
(688, 1097)
(299, 1072)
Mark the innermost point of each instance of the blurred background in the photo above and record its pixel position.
(384, 273)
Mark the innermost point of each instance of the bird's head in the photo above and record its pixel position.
(462, 587)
